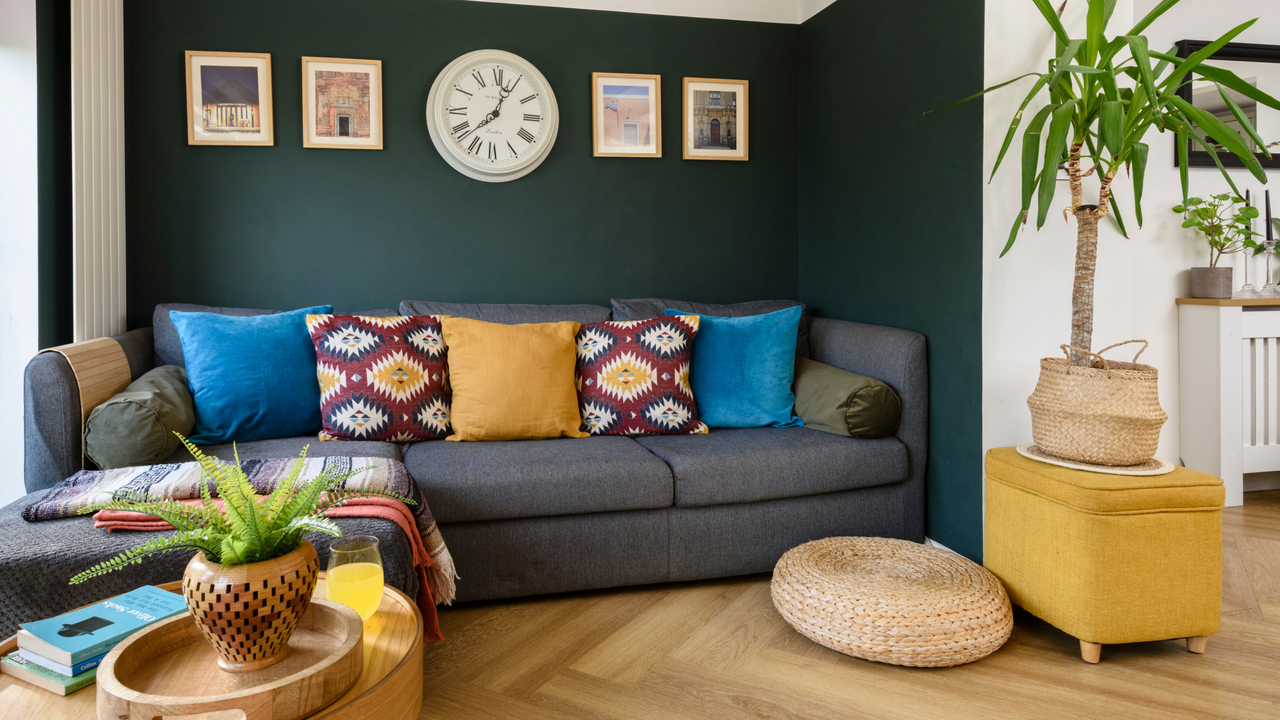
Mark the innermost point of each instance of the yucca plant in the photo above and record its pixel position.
(248, 528)
(1092, 118)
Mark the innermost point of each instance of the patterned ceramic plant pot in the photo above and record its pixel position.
(248, 612)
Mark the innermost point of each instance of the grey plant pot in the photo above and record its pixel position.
(1211, 282)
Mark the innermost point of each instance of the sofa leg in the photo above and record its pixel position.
(1197, 644)
(1091, 652)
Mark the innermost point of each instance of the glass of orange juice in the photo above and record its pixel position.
(355, 574)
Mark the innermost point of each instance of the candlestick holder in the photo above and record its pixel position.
(1270, 289)
(1246, 291)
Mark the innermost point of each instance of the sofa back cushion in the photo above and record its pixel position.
(253, 378)
(381, 378)
(645, 308)
(509, 313)
(137, 426)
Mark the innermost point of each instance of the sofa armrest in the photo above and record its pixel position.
(53, 431)
(900, 359)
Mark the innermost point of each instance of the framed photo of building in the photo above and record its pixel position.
(341, 103)
(229, 98)
(715, 119)
(626, 115)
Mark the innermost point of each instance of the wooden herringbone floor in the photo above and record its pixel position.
(719, 650)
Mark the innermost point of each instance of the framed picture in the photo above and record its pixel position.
(1256, 65)
(341, 103)
(229, 99)
(626, 115)
(715, 119)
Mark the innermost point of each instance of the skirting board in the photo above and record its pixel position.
(1255, 482)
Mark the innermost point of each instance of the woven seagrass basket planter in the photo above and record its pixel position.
(892, 601)
(1106, 414)
(249, 612)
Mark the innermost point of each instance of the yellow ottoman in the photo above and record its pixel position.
(1107, 558)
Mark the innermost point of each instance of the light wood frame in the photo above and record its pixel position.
(743, 120)
(656, 118)
(264, 101)
(306, 107)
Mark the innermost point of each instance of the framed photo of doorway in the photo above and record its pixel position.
(626, 115)
(715, 119)
(341, 103)
(229, 98)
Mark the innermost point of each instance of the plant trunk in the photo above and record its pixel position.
(1082, 292)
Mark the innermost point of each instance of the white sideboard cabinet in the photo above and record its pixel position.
(1229, 388)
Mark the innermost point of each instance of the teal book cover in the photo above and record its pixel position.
(84, 633)
(23, 669)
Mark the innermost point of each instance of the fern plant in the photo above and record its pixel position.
(248, 528)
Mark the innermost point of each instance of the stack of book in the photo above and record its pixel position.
(61, 654)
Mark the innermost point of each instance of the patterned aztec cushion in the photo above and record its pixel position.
(633, 377)
(381, 378)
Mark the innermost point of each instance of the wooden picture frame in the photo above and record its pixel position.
(229, 99)
(715, 119)
(342, 110)
(626, 113)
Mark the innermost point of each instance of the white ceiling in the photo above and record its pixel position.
(777, 11)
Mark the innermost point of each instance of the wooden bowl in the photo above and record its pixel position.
(170, 669)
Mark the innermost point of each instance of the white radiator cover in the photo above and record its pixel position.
(97, 151)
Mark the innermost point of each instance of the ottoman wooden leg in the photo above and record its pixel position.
(1091, 652)
(1197, 644)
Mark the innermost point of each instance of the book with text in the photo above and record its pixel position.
(88, 632)
(39, 676)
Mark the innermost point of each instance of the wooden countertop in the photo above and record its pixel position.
(1231, 302)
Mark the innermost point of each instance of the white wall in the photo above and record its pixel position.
(1027, 294)
(777, 11)
(18, 317)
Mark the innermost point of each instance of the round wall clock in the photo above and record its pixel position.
(492, 116)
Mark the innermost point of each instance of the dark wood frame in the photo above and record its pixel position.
(1238, 52)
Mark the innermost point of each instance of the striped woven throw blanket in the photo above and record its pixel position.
(181, 481)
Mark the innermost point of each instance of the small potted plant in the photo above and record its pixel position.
(1227, 229)
(251, 555)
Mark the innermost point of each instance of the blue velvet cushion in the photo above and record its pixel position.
(252, 378)
(743, 368)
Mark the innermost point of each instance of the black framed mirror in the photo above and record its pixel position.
(1259, 65)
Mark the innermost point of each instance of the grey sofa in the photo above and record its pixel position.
(535, 517)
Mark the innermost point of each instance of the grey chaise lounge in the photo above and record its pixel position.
(535, 517)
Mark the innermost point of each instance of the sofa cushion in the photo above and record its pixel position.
(291, 447)
(137, 426)
(465, 482)
(645, 308)
(509, 313)
(169, 345)
(752, 464)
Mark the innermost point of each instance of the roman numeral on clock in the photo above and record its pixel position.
(474, 147)
(525, 135)
(497, 77)
(479, 79)
(458, 111)
(514, 84)
(461, 126)
(493, 152)
(513, 150)
(532, 118)
(528, 98)
(464, 92)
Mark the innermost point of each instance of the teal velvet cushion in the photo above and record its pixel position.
(253, 378)
(743, 368)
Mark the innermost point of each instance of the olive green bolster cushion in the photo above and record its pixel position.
(844, 403)
(137, 426)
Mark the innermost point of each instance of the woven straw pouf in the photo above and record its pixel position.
(892, 601)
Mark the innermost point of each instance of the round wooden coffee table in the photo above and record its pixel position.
(390, 688)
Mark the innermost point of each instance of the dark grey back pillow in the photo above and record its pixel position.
(645, 308)
(509, 313)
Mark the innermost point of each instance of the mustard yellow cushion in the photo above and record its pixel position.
(512, 382)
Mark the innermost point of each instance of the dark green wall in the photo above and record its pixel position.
(53, 153)
(287, 226)
(891, 210)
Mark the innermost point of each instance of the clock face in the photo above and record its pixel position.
(492, 116)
